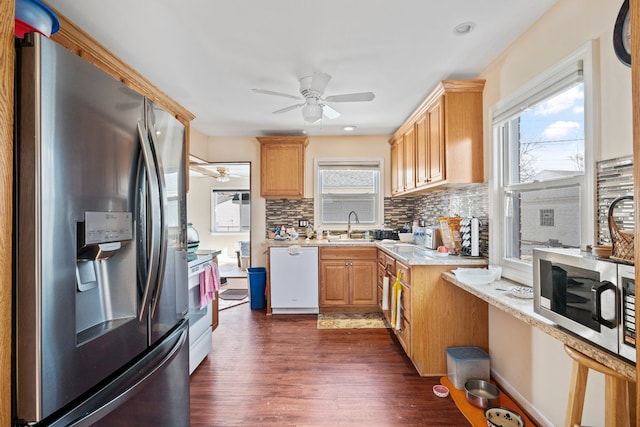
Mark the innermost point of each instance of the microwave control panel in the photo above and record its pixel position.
(629, 311)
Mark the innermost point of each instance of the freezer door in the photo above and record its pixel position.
(76, 306)
(152, 392)
(169, 302)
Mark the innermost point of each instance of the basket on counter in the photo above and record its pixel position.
(622, 240)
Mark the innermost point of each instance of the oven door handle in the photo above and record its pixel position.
(597, 291)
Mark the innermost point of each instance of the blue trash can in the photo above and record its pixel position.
(257, 282)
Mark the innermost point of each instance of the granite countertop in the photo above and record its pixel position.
(410, 254)
(498, 295)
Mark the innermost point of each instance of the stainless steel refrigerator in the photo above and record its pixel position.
(100, 278)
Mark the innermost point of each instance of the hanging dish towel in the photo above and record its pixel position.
(209, 283)
(385, 293)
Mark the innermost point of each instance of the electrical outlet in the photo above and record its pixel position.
(302, 223)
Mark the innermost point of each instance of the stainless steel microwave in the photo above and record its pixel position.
(588, 296)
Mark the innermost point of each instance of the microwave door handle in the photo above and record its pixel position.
(162, 197)
(153, 224)
(597, 291)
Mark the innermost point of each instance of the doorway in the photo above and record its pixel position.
(219, 207)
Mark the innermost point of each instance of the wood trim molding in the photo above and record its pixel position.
(445, 86)
(634, 13)
(7, 55)
(78, 41)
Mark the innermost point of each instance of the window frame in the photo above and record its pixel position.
(377, 163)
(534, 91)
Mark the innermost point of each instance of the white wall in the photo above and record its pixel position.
(247, 149)
(530, 363)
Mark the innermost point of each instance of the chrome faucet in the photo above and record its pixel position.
(349, 223)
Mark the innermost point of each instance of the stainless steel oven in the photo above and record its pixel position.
(588, 296)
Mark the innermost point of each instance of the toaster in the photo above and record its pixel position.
(432, 238)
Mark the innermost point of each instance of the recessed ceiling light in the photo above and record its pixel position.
(464, 28)
(349, 128)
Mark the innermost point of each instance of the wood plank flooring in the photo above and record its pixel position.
(282, 371)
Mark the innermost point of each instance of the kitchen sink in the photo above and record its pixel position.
(408, 251)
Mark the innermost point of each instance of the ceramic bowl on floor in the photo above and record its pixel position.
(497, 416)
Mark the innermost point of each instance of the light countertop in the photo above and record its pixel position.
(522, 309)
(412, 255)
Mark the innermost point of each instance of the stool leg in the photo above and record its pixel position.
(631, 394)
(577, 391)
(616, 407)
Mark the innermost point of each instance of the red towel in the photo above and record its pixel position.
(209, 284)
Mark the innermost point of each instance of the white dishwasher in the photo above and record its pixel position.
(293, 276)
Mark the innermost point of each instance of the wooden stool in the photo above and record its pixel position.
(619, 393)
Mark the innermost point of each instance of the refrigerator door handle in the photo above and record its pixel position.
(124, 387)
(153, 227)
(162, 196)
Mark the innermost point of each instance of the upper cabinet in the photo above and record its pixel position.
(282, 166)
(441, 142)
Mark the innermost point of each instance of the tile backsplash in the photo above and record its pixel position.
(469, 200)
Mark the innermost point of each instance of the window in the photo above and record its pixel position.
(230, 211)
(544, 166)
(344, 186)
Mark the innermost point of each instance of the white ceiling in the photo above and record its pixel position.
(208, 55)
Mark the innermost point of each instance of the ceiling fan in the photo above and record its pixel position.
(315, 106)
(220, 173)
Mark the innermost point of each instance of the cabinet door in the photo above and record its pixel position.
(363, 282)
(334, 282)
(281, 167)
(397, 171)
(422, 151)
(435, 121)
(409, 146)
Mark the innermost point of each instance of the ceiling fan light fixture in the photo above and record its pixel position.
(223, 178)
(311, 112)
(349, 128)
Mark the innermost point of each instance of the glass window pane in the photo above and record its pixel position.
(547, 139)
(231, 211)
(541, 219)
(346, 188)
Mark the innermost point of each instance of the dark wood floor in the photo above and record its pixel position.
(282, 371)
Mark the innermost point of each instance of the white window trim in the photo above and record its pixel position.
(348, 161)
(521, 271)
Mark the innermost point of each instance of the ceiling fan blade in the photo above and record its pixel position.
(329, 112)
(351, 97)
(270, 92)
(289, 108)
(319, 82)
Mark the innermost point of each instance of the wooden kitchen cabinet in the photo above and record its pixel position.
(397, 166)
(435, 315)
(430, 146)
(282, 166)
(409, 151)
(348, 279)
(448, 138)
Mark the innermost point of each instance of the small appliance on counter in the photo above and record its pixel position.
(385, 235)
(432, 238)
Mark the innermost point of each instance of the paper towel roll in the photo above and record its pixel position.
(385, 293)
(398, 319)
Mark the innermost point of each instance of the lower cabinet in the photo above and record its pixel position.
(434, 315)
(348, 279)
